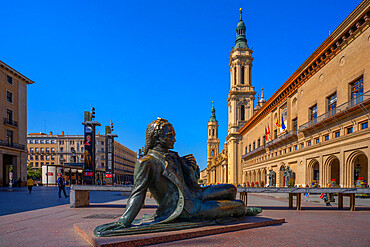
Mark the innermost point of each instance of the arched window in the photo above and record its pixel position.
(213, 132)
(242, 113)
(213, 152)
(209, 132)
(242, 75)
(235, 75)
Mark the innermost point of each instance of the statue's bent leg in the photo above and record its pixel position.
(220, 209)
(220, 192)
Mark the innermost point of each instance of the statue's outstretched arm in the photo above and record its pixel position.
(137, 197)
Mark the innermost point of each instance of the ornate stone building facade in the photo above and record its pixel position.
(318, 119)
(316, 122)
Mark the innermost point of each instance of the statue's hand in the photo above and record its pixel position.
(108, 229)
(190, 160)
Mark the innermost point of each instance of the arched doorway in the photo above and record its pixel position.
(356, 168)
(263, 178)
(334, 171)
(360, 167)
(316, 172)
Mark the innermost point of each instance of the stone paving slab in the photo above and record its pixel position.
(86, 231)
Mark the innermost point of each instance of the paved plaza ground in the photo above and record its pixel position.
(43, 219)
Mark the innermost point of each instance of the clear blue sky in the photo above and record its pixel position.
(137, 60)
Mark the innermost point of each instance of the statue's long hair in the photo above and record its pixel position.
(154, 133)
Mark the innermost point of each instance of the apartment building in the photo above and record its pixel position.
(13, 127)
(61, 153)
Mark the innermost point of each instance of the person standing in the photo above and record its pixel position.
(30, 184)
(62, 184)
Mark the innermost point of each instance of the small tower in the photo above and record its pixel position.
(213, 141)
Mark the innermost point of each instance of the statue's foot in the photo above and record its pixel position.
(252, 211)
(107, 229)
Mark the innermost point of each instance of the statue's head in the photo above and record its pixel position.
(159, 133)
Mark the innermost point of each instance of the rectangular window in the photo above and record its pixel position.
(41, 157)
(9, 137)
(295, 147)
(36, 164)
(9, 116)
(302, 145)
(52, 157)
(41, 150)
(357, 90)
(258, 142)
(313, 113)
(290, 149)
(294, 124)
(47, 150)
(36, 150)
(61, 149)
(250, 147)
(246, 150)
(326, 137)
(337, 134)
(31, 157)
(275, 134)
(9, 79)
(317, 140)
(332, 104)
(36, 157)
(9, 97)
(31, 150)
(364, 125)
(309, 143)
(102, 149)
(52, 150)
(47, 157)
(254, 145)
(102, 143)
(41, 141)
(349, 130)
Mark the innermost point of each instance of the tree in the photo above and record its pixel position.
(30, 171)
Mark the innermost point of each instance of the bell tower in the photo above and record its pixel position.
(213, 141)
(240, 100)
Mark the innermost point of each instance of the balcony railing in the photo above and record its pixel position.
(349, 105)
(284, 137)
(10, 122)
(253, 152)
(12, 145)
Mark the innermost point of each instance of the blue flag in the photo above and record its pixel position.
(282, 123)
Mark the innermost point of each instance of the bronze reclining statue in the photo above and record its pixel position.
(173, 182)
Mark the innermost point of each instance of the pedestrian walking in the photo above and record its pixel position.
(30, 184)
(62, 184)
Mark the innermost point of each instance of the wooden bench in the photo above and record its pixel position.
(80, 194)
(297, 192)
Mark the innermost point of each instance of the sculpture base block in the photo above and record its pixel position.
(85, 229)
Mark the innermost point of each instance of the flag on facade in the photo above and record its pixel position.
(282, 123)
(268, 132)
(278, 123)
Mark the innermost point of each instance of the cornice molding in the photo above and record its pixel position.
(15, 73)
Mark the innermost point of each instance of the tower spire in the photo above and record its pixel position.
(241, 40)
(213, 113)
